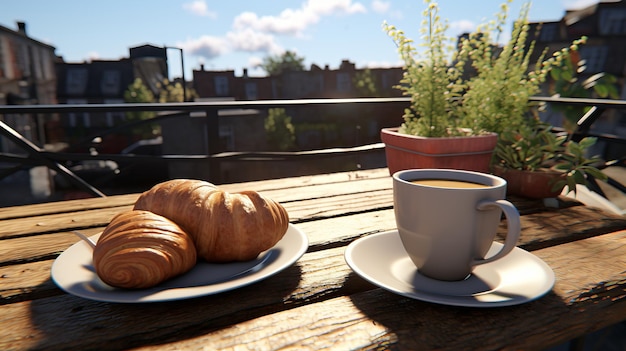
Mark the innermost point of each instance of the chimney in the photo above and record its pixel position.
(202, 66)
(21, 27)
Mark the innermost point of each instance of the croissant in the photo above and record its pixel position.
(140, 249)
(224, 226)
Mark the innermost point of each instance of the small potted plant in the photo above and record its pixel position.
(435, 132)
(462, 104)
(569, 79)
(538, 163)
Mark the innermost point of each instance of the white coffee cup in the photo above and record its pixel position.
(447, 229)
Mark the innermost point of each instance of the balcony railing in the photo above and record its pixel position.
(214, 156)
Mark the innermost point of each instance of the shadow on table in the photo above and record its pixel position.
(69, 322)
(413, 324)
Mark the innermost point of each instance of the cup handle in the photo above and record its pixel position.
(513, 225)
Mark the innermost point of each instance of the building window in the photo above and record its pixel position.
(251, 91)
(613, 22)
(313, 85)
(110, 83)
(74, 118)
(595, 57)
(3, 71)
(549, 32)
(22, 63)
(76, 81)
(343, 82)
(113, 117)
(221, 85)
(386, 81)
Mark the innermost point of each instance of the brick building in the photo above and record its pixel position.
(27, 76)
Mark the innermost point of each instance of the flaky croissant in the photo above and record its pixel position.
(140, 249)
(224, 226)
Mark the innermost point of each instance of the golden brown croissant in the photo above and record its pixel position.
(224, 226)
(140, 249)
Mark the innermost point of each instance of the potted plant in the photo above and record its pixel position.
(435, 132)
(538, 163)
(485, 93)
(570, 80)
(464, 105)
(498, 93)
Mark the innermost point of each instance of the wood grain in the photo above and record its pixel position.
(318, 303)
(375, 319)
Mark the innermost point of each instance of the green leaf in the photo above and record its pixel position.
(601, 90)
(596, 173)
(579, 177)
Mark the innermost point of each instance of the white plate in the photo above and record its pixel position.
(517, 278)
(73, 272)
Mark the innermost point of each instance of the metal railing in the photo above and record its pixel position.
(36, 155)
(210, 110)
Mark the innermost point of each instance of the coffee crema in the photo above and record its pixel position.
(451, 184)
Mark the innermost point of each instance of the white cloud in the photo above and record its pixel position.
(329, 7)
(288, 22)
(380, 6)
(252, 33)
(254, 61)
(577, 4)
(462, 26)
(382, 64)
(249, 40)
(199, 8)
(206, 46)
(294, 21)
(93, 55)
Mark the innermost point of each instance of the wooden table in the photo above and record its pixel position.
(318, 303)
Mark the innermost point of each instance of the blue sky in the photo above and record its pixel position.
(237, 34)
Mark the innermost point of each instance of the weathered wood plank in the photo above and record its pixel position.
(539, 230)
(335, 303)
(553, 227)
(20, 253)
(319, 302)
(43, 247)
(305, 202)
(379, 320)
(68, 322)
(59, 222)
(28, 281)
(272, 186)
(66, 206)
(307, 181)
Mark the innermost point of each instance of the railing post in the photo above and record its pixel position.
(213, 144)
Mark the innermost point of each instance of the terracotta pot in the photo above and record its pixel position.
(472, 153)
(530, 184)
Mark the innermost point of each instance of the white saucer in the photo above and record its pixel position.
(73, 272)
(517, 278)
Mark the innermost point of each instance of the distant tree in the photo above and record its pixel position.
(280, 131)
(174, 92)
(137, 92)
(288, 61)
(365, 83)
